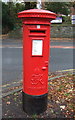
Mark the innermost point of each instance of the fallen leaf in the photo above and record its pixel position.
(8, 103)
(62, 107)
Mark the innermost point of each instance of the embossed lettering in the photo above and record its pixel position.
(36, 79)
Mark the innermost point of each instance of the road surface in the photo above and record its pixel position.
(61, 58)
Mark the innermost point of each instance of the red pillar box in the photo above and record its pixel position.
(36, 42)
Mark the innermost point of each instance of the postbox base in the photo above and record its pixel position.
(34, 104)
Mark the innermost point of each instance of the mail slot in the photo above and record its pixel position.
(36, 43)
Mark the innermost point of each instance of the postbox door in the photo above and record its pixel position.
(36, 52)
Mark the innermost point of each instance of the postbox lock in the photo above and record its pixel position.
(44, 68)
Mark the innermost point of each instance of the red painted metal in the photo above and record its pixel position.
(36, 28)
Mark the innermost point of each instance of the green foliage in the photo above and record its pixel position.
(73, 4)
(66, 19)
(9, 15)
(30, 5)
(58, 7)
(7, 22)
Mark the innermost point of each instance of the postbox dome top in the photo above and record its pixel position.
(37, 13)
